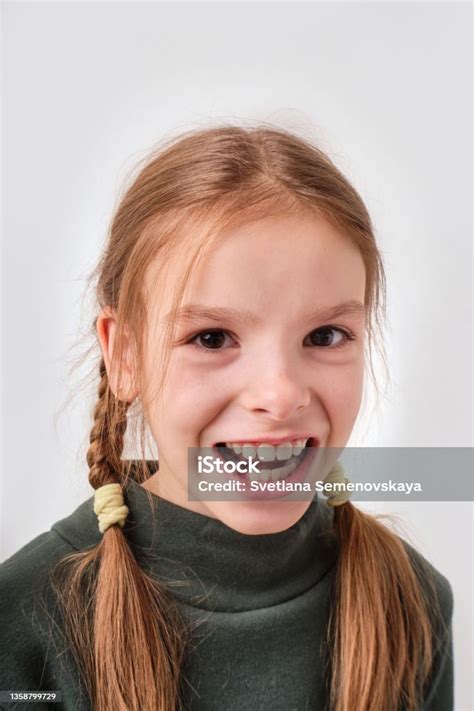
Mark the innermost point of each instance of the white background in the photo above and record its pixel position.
(385, 88)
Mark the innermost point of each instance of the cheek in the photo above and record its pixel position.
(343, 396)
(191, 399)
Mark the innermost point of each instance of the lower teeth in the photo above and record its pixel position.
(267, 474)
(275, 474)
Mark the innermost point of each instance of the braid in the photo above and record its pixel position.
(107, 434)
(123, 624)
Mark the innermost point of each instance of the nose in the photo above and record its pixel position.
(277, 391)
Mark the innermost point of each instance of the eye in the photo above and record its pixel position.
(210, 340)
(319, 337)
(215, 339)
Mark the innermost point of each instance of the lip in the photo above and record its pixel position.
(299, 475)
(274, 439)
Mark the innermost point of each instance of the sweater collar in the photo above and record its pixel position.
(207, 564)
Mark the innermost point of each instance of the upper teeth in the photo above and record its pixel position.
(268, 452)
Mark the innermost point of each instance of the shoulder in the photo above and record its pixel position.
(23, 582)
(29, 563)
(435, 584)
(26, 600)
(439, 597)
(25, 569)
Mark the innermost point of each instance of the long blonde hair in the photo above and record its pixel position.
(123, 625)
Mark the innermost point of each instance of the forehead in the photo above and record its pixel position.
(276, 264)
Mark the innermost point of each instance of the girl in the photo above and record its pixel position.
(240, 280)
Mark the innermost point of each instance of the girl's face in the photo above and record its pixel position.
(275, 365)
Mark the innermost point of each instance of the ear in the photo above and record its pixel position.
(106, 327)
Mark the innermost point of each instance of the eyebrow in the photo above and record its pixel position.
(192, 312)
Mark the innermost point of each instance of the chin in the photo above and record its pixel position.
(254, 518)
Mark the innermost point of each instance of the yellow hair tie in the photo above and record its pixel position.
(109, 506)
(337, 474)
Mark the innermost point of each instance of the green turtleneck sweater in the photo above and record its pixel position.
(261, 604)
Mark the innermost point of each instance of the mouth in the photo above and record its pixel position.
(275, 462)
